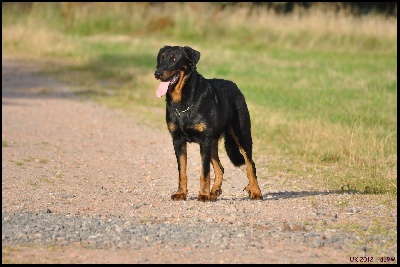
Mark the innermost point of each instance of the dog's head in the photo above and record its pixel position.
(173, 63)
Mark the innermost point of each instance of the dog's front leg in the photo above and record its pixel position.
(218, 170)
(205, 154)
(181, 157)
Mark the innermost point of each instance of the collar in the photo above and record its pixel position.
(178, 113)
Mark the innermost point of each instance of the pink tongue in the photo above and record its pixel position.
(162, 89)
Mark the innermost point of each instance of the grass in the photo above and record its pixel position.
(321, 86)
(6, 251)
(369, 236)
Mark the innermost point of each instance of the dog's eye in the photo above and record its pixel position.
(161, 58)
(172, 59)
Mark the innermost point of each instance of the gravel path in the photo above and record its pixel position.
(82, 183)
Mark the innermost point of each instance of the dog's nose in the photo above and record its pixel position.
(158, 74)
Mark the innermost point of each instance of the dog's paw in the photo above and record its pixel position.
(254, 193)
(255, 196)
(216, 194)
(178, 196)
(203, 198)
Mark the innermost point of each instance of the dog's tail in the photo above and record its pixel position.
(233, 151)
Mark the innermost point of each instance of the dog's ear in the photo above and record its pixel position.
(192, 54)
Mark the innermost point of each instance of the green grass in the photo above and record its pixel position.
(369, 236)
(321, 88)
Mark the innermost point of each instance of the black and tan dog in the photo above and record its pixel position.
(202, 111)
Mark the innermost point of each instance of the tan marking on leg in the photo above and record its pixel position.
(218, 170)
(253, 188)
(182, 172)
(204, 194)
(181, 193)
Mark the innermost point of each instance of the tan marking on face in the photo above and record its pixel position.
(168, 74)
(200, 127)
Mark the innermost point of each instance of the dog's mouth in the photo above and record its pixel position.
(166, 85)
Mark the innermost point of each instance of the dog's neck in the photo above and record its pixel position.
(184, 93)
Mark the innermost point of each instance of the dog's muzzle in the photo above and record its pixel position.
(158, 73)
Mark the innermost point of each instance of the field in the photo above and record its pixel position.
(321, 85)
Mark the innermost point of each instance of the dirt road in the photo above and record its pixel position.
(63, 158)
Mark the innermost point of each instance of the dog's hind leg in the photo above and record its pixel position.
(181, 156)
(244, 142)
(218, 170)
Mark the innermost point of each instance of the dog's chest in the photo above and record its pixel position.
(187, 126)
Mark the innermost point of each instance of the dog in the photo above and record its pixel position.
(202, 111)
